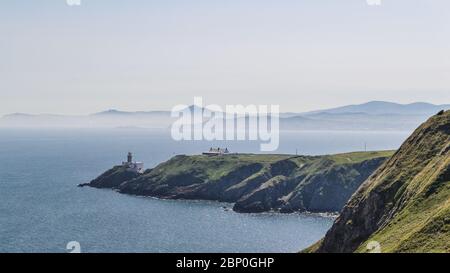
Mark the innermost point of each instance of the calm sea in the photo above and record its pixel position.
(41, 209)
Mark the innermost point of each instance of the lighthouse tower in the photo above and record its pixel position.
(137, 167)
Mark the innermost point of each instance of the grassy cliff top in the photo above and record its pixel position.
(214, 167)
(356, 157)
(353, 157)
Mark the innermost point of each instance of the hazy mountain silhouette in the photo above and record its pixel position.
(374, 115)
(383, 107)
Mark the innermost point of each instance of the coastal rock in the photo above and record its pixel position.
(325, 190)
(113, 177)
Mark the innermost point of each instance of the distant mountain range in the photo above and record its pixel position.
(383, 107)
(374, 115)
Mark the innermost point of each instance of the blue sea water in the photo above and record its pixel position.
(42, 209)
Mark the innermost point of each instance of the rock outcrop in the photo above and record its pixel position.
(112, 178)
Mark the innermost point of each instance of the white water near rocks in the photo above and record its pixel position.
(42, 209)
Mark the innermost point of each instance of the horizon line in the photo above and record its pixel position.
(206, 107)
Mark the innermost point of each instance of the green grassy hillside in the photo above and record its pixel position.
(405, 204)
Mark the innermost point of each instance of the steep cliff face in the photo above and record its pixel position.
(405, 204)
(255, 183)
(320, 186)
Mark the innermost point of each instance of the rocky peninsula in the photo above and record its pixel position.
(252, 182)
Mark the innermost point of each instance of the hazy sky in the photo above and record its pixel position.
(147, 55)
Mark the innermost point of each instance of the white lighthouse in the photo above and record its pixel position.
(137, 167)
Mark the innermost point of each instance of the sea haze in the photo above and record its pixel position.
(42, 209)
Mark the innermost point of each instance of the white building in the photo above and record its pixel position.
(137, 167)
(216, 151)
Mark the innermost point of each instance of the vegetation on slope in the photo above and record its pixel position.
(405, 204)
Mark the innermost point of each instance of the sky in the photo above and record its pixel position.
(151, 55)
